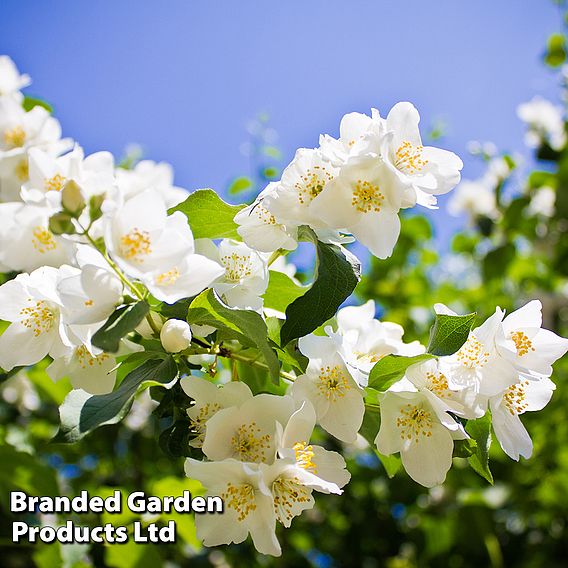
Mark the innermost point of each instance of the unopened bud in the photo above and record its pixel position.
(72, 199)
(175, 336)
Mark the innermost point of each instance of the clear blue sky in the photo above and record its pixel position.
(183, 77)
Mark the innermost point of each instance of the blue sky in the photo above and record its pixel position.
(183, 77)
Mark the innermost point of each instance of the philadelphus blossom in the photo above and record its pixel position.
(209, 399)
(158, 249)
(474, 198)
(356, 184)
(330, 387)
(545, 123)
(364, 340)
(265, 468)
(245, 276)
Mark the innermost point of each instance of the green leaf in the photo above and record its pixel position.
(281, 291)
(336, 275)
(31, 102)
(391, 369)
(209, 216)
(239, 185)
(121, 322)
(496, 262)
(24, 472)
(82, 412)
(449, 333)
(258, 380)
(480, 431)
(246, 326)
(369, 430)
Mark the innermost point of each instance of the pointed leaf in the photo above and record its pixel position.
(120, 323)
(480, 431)
(391, 369)
(449, 333)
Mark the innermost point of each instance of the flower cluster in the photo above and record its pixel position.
(105, 265)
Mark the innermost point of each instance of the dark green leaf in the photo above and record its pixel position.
(82, 412)
(480, 431)
(391, 369)
(449, 333)
(369, 430)
(246, 326)
(337, 273)
(496, 262)
(120, 323)
(209, 216)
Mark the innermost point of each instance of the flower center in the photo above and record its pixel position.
(15, 137)
(515, 398)
(414, 422)
(43, 240)
(240, 498)
(472, 353)
(135, 244)
(438, 384)
(263, 215)
(22, 170)
(86, 360)
(311, 184)
(249, 444)
(367, 197)
(408, 158)
(304, 456)
(522, 343)
(287, 493)
(55, 183)
(237, 266)
(333, 383)
(38, 317)
(204, 414)
(168, 278)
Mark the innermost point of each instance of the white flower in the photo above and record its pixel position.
(255, 497)
(32, 306)
(526, 395)
(175, 335)
(147, 174)
(363, 340)
(365, 200)
(302, 181)
(478, 366)
(295, 444)
(328, 385)
(359, 134)
(473, 198)
(545, 121)
(427, 170)
(48, 175)
(89, 294)
(26, 243)
(419, 430)
(261, 230)
(89, 369)
(209, 399)
(248, 505)
(248, 432)
(246, 273)
(11, 81)
(20, 131)
(157, 249)
(531, 349)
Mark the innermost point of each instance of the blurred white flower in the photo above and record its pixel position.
(545, 123)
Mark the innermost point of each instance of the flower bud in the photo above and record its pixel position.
(175, 335)
(72, 199)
